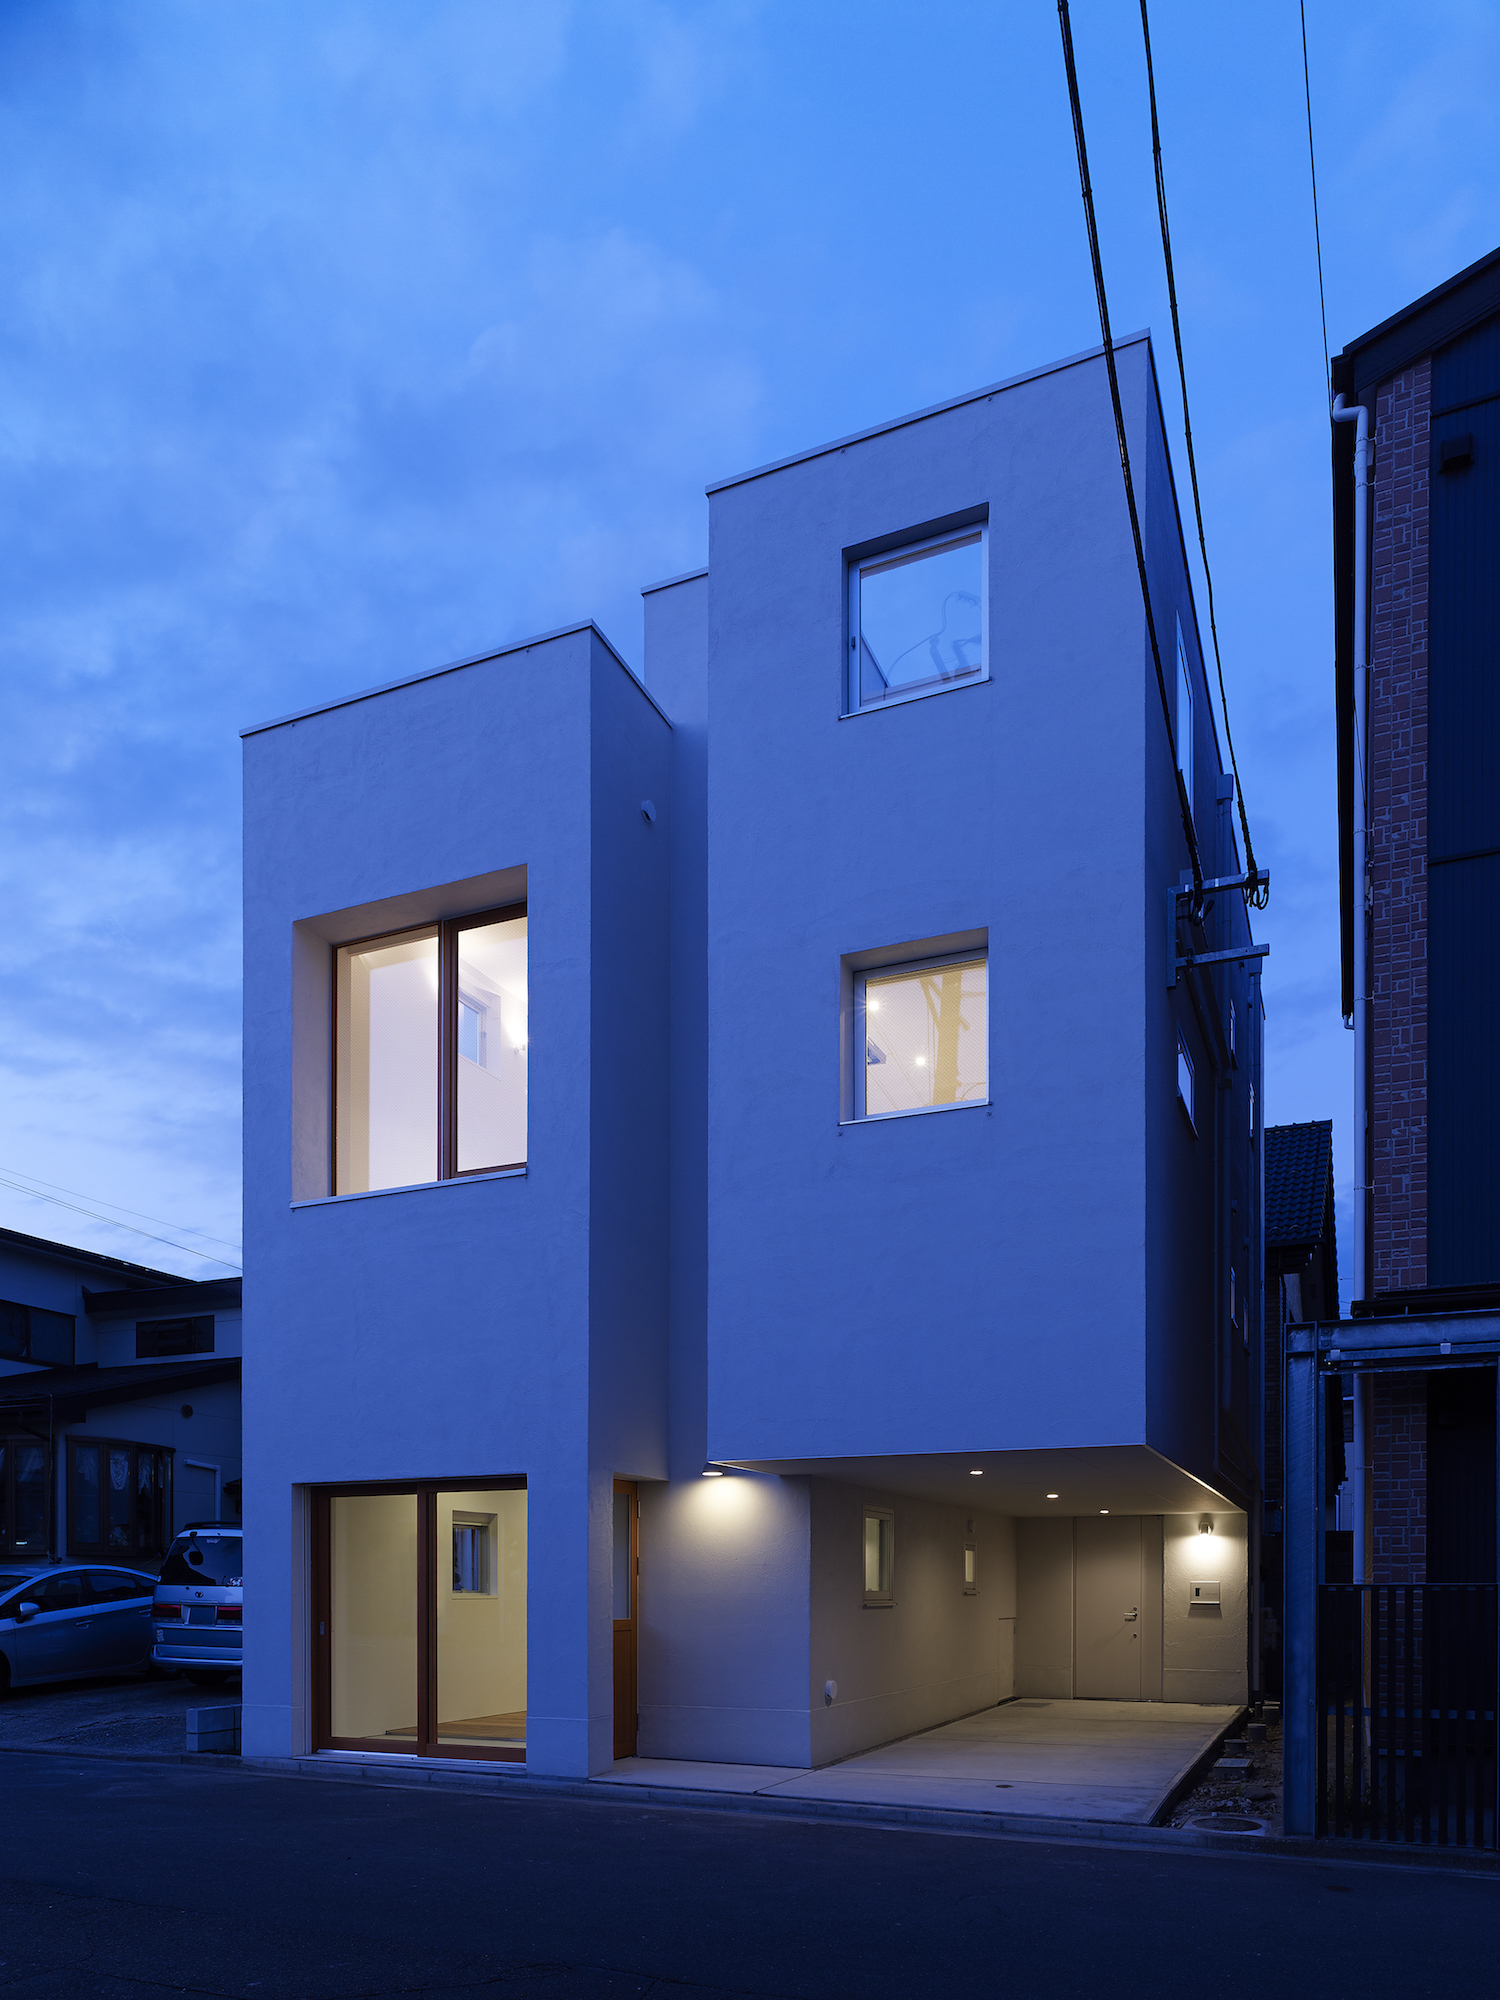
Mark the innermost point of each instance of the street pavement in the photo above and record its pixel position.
(128, 1712)
(124, 1881)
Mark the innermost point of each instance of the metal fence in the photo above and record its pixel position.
(1407, 1698)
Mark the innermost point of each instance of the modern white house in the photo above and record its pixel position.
(753, 1228)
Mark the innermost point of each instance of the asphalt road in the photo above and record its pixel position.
(126, 1881)
(128, 1712)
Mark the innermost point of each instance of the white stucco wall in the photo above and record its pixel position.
(1203, 1646)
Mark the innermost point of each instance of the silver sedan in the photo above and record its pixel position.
(71, 1621)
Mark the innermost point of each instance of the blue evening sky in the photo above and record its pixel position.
(343, 339)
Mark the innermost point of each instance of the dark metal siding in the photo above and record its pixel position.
(1463, 824)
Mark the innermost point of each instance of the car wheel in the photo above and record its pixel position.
(206, 1680)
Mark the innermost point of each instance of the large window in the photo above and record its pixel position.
(30, 1333)
(918, 619)
(430, 1053)
(421, 1620)
(921, 1036)
(119, 1499)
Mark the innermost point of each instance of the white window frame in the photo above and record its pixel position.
(1184, 715)
(855, 567)
(878, 1600)
(1185, 1097)
(902, 966)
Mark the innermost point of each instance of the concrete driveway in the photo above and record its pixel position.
(1095, 1760)
(130, 1713)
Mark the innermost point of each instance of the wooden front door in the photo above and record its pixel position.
(626, 1576)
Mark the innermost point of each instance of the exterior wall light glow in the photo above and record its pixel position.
(713, 1471)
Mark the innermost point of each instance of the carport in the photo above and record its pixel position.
(1114, 1761)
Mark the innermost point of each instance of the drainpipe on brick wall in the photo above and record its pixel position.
(1360, 849)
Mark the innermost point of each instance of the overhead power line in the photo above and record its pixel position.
(1312, 164)
(1259, 892)
(79, 1209)
(1184, 803)
(139, 1214)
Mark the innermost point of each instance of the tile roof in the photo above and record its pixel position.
(1299, 1164)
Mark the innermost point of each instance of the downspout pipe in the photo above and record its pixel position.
(1359, 889)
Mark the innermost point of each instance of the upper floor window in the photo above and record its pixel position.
(918, 619)
(156, 1338)
(1185, 1082)
(31, 1333)
(430, 1053)
(1184, 717)
(921, 1036)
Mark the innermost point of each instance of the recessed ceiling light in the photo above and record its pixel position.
(977, 1472)
(1051, 1496)
(1103, 1510)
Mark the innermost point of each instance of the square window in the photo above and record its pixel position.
(1185, 1081)
(918, 619)
(880, 1532)
(430, 1059)
(473, 1561)
(921, 1036)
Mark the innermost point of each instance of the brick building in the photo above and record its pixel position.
(1416, 488)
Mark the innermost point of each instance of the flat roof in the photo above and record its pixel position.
(456, 667)
(932, 410)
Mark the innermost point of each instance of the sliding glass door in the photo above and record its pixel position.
(420, 1623)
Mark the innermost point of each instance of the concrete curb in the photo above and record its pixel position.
(1193, 1772)
(835, 1812)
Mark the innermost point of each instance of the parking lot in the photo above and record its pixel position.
(126, 1713)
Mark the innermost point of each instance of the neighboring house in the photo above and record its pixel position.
(119, 1403)
(754, 1219)
(1416, 480)
(1301, 1286)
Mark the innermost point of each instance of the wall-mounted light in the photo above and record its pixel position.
(1206, 1525)
(712, 1471)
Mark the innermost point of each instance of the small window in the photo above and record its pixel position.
(1184, 720)
(473, 1556)
(1234, 1298)
(1252, 1112)
(1231, 1031)
(971, 1573)
(918, 619)
(921, 1036)
(156, 1339)
(431, 1042)
(1185, 1081)
(880, 1531)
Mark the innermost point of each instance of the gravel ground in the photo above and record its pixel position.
(1255, 1796)
(129, 1712)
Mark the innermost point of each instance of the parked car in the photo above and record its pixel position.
(63, 1622)
(198, 1611)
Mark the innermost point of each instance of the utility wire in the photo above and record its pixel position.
(78, 1209)
(1312, 164)
(1257, 893)
(139, 1214)
(1183, 801)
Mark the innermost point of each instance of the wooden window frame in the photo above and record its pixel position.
(425, 1492)
(102, 1552)
(448, 930)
